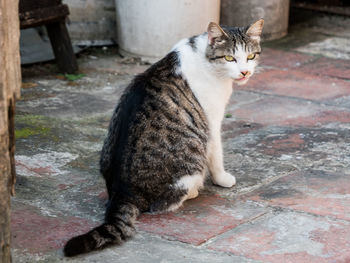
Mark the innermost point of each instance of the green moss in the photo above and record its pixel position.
(30, 119)
(30, 125)
(73, 77)
(26, 132)
(228, 115)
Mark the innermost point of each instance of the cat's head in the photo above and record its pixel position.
(233, 52)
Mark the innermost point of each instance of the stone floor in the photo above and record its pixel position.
(286, 138)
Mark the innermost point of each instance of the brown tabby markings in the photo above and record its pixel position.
(157, 135)
(158, 147)
(167, 139)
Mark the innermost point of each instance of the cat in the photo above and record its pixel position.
(165, 132)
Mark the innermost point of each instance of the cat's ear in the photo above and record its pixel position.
(255, 29)
(216, 34)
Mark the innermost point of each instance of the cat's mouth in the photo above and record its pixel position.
(241, 79)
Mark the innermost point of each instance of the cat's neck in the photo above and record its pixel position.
(212, 91)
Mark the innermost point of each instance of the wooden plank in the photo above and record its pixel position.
(10, 82)
(5, 166)
(43, 16)
(30, 5)
(62, 47)
(10, 34)
(12, 147)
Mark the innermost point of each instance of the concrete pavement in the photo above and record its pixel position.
(286, 139)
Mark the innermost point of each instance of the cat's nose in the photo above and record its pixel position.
(244, 73)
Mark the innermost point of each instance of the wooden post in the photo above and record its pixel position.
(62, 47)
(10, 83)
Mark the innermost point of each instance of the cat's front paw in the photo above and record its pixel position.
(225, 180)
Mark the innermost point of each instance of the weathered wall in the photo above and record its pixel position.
(92, 21)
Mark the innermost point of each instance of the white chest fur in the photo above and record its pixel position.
(212, 92)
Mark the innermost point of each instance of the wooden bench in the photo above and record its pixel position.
(52, 14)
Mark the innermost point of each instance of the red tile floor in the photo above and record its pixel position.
(286, 138)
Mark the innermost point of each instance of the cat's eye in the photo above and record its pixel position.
(251, 56)
(229, 58)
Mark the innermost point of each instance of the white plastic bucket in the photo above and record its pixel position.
(150, 28)
(245, 12)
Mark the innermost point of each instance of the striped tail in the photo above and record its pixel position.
(119, 226)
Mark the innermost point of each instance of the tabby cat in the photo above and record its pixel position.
(165, 131)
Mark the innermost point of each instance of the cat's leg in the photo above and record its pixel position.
(185, 188)
(192, 183)
(215, 161)
(170, 200)
(193, 193)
